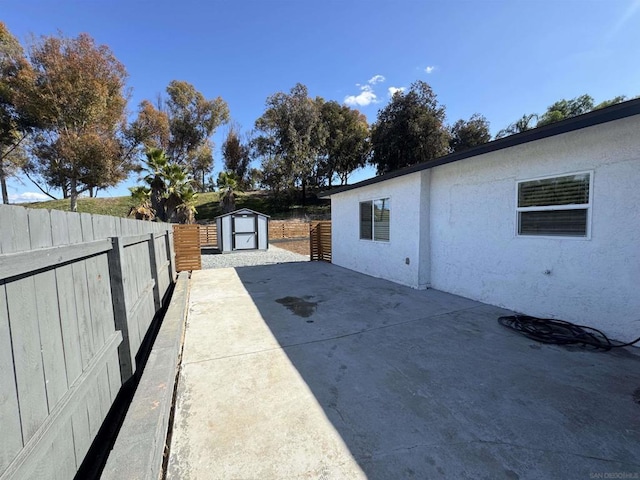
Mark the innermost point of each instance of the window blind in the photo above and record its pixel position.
(567, 190)
(571, 223)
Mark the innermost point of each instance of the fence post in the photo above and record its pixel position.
(120, 313)
(153, 263)
(319, 240)
(171, 253)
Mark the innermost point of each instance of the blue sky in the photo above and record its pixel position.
(501, 59)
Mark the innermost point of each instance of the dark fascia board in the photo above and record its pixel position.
(242, 210)
(596, 117)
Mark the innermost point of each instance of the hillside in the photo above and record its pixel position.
(207, 206)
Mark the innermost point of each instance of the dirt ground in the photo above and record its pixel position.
(300, 246)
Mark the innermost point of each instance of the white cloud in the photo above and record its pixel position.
(393, 90)
(364, 98)
(430, 69)
(27, 197)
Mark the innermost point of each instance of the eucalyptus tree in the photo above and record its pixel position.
(289, 139)
(469, 133)
(409, 130)
(237, 156)
(346, 141)
(81, 96)
(17, 116)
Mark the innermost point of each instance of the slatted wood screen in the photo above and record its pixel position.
(320, 241)
(186, 239)
(208, 235)
(77, 294)
(280, 229)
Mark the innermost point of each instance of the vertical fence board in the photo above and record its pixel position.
(96, 302)
(12, 239)
(48, 314)
(83, 311)
(99, 294)
(81, 433)
(25, 335)
(11, 442)
(23, 317)
(115, 380)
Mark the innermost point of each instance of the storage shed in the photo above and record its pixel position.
(242, 229)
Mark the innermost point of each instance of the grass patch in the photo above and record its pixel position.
(207, 206)
(115, 206)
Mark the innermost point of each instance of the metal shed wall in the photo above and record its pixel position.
(235, 229)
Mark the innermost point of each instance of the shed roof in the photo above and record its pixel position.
(596, 117)
(241, 211)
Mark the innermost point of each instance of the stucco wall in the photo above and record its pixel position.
(475, 251)
(383, 259)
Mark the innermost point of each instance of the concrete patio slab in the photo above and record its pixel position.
(308, 370)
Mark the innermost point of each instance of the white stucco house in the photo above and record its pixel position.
(545, 222)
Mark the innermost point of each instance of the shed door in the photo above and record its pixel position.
(245, 235)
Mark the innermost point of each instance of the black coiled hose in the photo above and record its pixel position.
(559, 332)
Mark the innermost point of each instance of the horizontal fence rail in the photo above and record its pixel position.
(320, 241)
(78, 293)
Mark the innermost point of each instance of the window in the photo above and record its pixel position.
(374, 220)
(556, 206)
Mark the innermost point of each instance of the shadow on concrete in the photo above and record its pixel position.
(423, 384)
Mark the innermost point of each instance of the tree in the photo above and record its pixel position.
(183, 125)
(566, 109)
(409, 130)
(228, 184)
(17, 116)
(237, 157)
(346, 145)
(168, 194)
(468, 134)
(522, 125)
(560, 110)
(289, 139)
(81, 94)
(608, 103)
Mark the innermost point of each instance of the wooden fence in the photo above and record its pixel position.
(208, 235)
(279, 229)
(320, 241)
(78, 293)
(187, 245)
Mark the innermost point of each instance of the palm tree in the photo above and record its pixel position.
(227, 183)
(170, 189)
(522, 125)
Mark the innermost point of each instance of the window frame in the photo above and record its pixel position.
(545, 208)
(373, 221)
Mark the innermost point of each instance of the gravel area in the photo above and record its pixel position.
(251, 258)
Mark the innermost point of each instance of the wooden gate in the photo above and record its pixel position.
(320, 241)
(186, 240)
